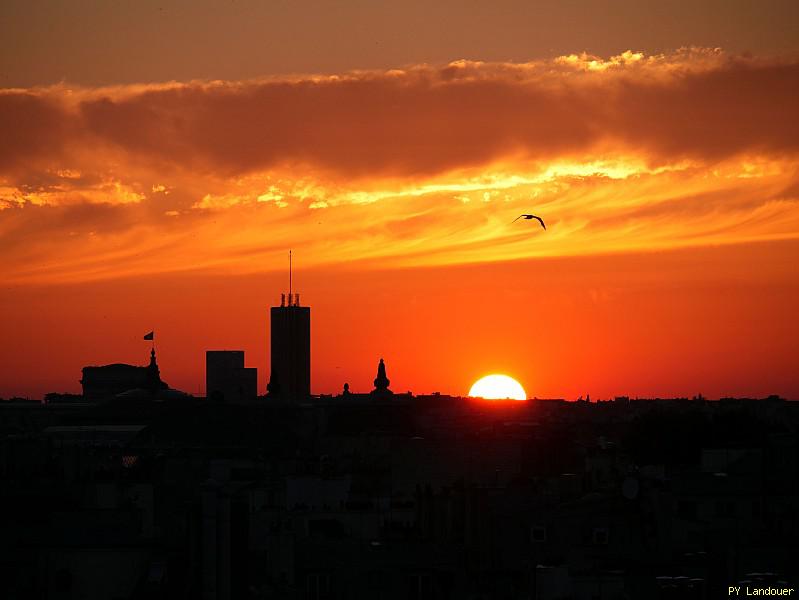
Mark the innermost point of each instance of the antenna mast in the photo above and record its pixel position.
(289, 277)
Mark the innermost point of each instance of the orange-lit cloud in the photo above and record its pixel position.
(419, 166)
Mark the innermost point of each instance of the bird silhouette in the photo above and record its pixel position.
(540, 220)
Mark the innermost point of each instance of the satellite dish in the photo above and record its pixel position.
(629, 489)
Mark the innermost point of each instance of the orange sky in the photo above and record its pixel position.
(668, 181)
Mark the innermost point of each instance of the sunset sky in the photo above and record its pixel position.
(159, 159)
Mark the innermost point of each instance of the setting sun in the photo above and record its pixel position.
(496, 387)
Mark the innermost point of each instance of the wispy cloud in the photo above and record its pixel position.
(414, 166)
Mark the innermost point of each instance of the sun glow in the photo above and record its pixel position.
(498, 387)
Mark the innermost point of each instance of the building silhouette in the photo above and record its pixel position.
(226, 378)
(110, 380)
(381, 381)
(290, 336)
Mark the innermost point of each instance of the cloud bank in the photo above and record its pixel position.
(423, 161)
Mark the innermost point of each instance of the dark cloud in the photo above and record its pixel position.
(738, 107)
(35, 129)
(22, 225)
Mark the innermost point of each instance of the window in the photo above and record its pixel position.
(600, 536)
(421, 585)
(318, 586)
(686, 509)
(538, 533)
(725, 508)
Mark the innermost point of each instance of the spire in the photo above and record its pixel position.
(154, 374)
(292, 298)
(381, 381)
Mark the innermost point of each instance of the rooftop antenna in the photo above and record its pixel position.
(289, 277)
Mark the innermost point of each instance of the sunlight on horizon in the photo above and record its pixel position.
(497, 387)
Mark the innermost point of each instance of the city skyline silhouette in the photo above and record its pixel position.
(412, 300)
(282, 330)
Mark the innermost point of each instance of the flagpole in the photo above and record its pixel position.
(151, 338)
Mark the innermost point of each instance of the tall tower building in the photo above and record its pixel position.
(290, 378)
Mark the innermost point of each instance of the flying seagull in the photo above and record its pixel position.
(540, 220)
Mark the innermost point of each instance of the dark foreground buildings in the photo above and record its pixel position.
(145, 492)
(397, 497)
